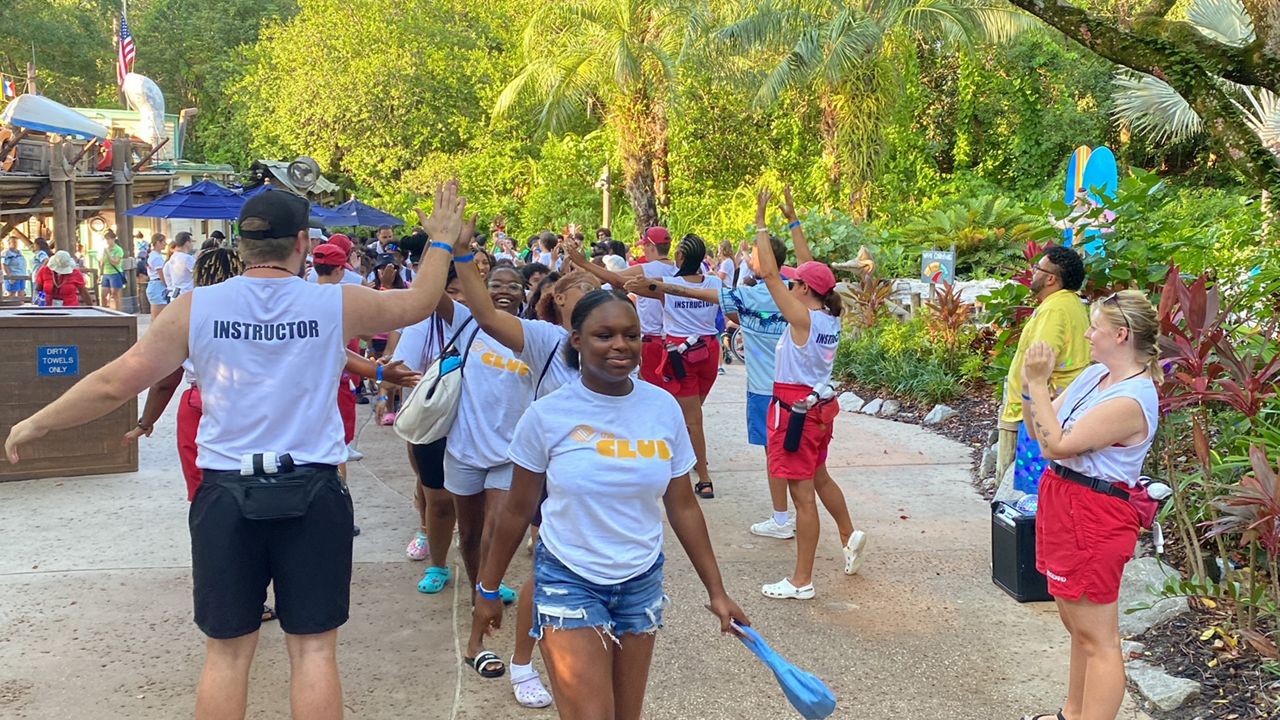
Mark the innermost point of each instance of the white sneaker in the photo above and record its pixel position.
(853, 552)
(770, 528)
(353, 454)
(784, 590)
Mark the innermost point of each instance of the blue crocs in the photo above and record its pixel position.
(508, 595)
(434, 580)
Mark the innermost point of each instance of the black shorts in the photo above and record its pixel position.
(234, 559)
(428, 462)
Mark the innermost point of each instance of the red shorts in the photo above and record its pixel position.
(347, 408)
(652, 356)
(1083, 540)
(701, 368)
(189, 413)
(814, 441)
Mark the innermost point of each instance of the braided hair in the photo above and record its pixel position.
(692, 251)
(216, 265)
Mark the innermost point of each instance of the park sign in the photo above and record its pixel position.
(938, 266)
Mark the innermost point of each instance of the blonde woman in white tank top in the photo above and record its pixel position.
(805, 355)
(1097, 433)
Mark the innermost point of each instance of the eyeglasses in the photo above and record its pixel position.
(1114, 300)
(1046, 272)
(508, 287)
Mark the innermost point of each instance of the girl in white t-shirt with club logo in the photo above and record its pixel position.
(612, 452)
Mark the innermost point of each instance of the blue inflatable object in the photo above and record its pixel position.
(1028, 464)
(808, 694)
(1100, 175)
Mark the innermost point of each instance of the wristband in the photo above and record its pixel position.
(465, 258)
(383, 398)
(793, 225)
(1026, 397)
(488, 594)
(379, 373)
(443, 246)
(761, 229)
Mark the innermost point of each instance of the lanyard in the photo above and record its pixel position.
(1084, 398)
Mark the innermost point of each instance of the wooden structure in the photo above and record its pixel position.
(58, 179)
(46, 351)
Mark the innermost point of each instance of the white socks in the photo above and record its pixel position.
(781, 518)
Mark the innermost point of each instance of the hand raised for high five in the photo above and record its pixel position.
(447, 210)
(462, 244)
(573, 251)
(788, 206)
(762, 207)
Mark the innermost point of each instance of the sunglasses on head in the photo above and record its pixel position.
(1114, 300)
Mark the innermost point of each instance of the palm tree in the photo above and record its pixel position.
(615, 59)
(843, 51)
(1150, 106)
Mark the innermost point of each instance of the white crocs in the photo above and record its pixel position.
(528, 689)
(853, 552)
(784, 590)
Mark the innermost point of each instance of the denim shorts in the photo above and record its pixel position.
(113, 281)
(562, 600)
(157, 294)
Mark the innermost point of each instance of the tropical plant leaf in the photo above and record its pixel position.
(1222, 20)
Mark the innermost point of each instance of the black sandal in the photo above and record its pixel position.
(1056, 716)
(484, 664)
(704, 490)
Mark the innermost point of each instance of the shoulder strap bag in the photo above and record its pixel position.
(427, 414)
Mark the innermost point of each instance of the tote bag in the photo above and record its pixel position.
(427, 414)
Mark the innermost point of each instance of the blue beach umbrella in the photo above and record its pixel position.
(205, 200)
(354, 213)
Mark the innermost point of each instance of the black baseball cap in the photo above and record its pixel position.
(274, 215)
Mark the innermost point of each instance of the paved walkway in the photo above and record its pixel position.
(95, 597)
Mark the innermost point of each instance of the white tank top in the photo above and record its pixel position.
(650, 310)
(686, 317)
(1118, 463)
(810, 364)
(268, 353)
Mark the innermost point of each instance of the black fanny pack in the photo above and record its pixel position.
(278, 496)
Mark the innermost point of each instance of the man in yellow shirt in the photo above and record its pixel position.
(1060, 319)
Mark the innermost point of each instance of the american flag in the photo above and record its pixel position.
(126, 52)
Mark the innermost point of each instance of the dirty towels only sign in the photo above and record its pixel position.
(58, 360)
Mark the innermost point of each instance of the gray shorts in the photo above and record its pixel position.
(465, 480)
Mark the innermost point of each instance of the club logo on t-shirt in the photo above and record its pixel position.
(611, 446)
(498, 360)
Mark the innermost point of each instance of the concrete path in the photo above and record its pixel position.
(95, 597)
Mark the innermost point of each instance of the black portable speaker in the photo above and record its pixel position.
(1013, 554)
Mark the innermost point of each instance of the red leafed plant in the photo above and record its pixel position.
(947, 315)
(1191, 328)
(1251, 509)
(1032, 251)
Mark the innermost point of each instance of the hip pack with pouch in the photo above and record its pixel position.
(278, 496)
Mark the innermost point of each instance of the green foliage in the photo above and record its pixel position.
(988, 232)
(907, 360)
(71, 41)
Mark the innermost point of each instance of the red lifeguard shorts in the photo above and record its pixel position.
(189, 413)
(701, 368)
(652, 356)
(818, 428)
(347, 407)
(1083, 540)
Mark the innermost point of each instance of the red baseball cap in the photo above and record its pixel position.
(342, 241)
(328, 254)
(656, 235)
(817, 276)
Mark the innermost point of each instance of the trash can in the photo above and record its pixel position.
(45, 352)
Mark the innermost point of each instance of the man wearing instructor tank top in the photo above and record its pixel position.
(272, 507)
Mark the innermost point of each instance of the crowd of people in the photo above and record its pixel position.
(581, 378)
